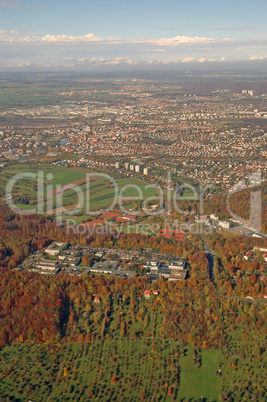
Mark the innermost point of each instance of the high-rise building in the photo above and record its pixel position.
(137, 168)
(127, 165)
(117, 165)
(132, 166)
(147, 171)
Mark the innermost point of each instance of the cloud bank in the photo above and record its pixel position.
(22, 49)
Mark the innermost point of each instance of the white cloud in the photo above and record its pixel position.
(179, 40)
(91, 49)
(65, 38)
(255, 58)
(97, 61)
(22, 65)
(91, 37)
(204, 60)
(188, 60)
(3, 32)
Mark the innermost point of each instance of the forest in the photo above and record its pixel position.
(197, 315)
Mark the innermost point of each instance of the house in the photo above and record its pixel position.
(128, 217)
(155, 292)
(201, 218)
(138, 297)
(248, 255)
(147, 294)
(97, 299)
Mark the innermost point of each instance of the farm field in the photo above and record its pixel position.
(107, 370)
(22, 95)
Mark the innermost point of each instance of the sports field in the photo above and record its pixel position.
(72, 189)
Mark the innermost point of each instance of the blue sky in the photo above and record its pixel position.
(67, 33)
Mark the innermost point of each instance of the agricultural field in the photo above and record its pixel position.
(42, 89)
(19, 95)
(62, 187)
(146, 369)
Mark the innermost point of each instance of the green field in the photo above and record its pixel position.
(101, 190)
(107, 370)
(22, 95)
(200, 382)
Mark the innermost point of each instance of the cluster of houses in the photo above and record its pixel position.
(108, 216)
(252, 253)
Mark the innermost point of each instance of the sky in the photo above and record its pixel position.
(66, 34)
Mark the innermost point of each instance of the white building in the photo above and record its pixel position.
(177, 264)
(146, 171)
(225, 224)
(56, 248)
(152, 265)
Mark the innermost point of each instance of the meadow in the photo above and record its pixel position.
(145, 369)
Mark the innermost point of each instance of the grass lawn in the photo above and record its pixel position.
(200, 382)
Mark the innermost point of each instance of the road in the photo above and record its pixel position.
(210, 255)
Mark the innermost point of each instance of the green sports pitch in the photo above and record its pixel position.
(72, 190)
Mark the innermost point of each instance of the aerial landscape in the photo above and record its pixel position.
(133, 201)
